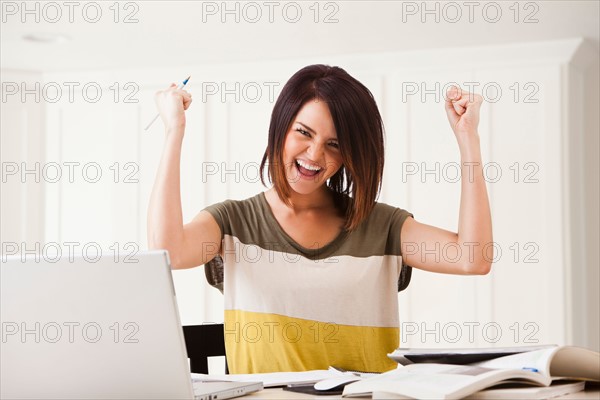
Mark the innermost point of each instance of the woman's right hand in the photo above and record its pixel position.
(171, 104)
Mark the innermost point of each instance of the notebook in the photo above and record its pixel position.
(96, 327)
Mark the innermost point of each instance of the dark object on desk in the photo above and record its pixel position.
(459, 359)
(310, 389)
(202, 341)
(407, 356)
(214, 274)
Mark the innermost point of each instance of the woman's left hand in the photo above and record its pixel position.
(462, 109)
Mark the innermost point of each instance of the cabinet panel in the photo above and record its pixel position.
(442, 307)
(93, 173)
(526, 203)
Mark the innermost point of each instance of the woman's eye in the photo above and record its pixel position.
(302, 131)
(333, 144)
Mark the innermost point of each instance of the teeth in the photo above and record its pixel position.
(307, 166)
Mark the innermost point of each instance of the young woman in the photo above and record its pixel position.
(311, 265)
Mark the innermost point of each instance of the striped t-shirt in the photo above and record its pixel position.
(289, 308)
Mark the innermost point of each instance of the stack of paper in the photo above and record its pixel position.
(532, 373)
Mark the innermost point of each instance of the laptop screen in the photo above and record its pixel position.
(81, 329)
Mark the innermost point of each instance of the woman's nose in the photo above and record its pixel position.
(315, 150)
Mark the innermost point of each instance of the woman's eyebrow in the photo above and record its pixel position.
(308, 128)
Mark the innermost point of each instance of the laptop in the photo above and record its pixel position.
(87, 328)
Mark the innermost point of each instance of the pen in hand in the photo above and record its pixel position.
(181, 86)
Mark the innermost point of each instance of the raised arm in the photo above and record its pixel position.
(199, 241)
(469, 251)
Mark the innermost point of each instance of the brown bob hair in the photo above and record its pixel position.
(359, 130)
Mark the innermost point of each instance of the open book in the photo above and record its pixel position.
(449, 381)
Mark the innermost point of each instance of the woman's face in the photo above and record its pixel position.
(311, 152)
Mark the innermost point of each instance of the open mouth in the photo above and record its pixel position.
(307, 170)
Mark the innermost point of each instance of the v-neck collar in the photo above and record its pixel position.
(309, 253)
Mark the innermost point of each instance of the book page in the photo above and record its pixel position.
(438, 381)
(567, 361)
(576, 362)
(538, 360)
(523, 392)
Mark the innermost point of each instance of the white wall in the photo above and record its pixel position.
(550, 299)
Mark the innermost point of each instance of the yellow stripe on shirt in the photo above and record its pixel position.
(263, 342)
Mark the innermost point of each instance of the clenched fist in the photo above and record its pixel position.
(462, 109)
(171, 104)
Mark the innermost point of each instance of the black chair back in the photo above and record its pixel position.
(202, 341)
